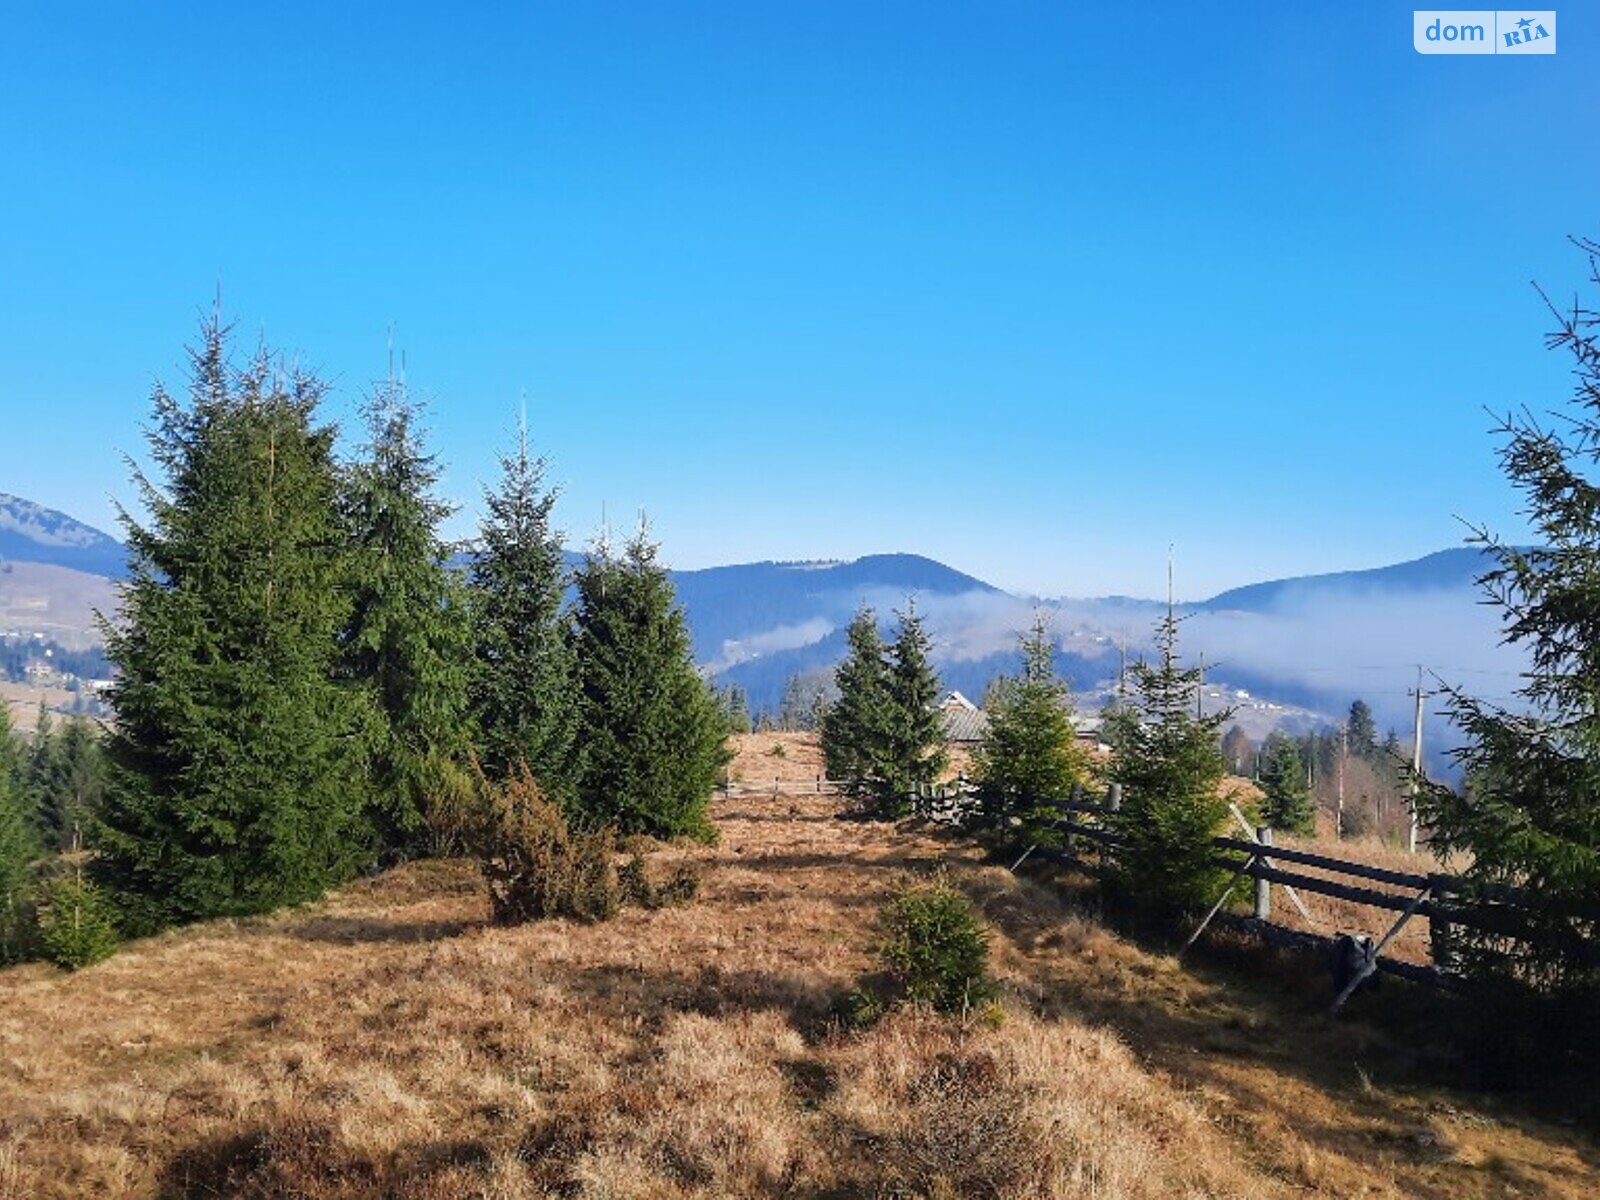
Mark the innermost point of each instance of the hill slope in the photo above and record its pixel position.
(1444, 571)
(57, 602)
(389, 1042)
(32, 533)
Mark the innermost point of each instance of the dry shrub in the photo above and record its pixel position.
(534, 864)
(680, 887)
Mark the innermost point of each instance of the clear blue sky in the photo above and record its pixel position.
(1036, 289)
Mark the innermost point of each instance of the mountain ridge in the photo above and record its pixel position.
(1442, 570)
(758, 624)
(32, 533)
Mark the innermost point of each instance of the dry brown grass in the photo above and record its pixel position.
(1329, 915)
(1332, 915)
(760, 759)
(390, 1042)
(793, 761)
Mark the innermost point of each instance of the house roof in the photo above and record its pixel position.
(963, 724)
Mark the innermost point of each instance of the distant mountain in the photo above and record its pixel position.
(1315, 641)
(745, 611)
(31, 533)
(1446, 570)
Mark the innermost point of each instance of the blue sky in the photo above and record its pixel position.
(1034, 289)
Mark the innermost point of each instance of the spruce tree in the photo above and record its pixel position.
(1169, 763)
(914, 754)
(42, 773)
(238, 751)
(1029, 754)
(855, 727)
(19, 851)
(77, 927)
(795, 709)
(1530, 815)
(522, 692)
(654, 738)
(735, 706)
(1362, 733)
(407, 639)
(77, 784)
(1288, 804)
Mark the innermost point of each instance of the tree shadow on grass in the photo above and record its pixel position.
(807, 1002)
(1234, 1005)
(352, 931)
(305, 1159)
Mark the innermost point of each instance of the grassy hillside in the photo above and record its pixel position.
(388, 1042)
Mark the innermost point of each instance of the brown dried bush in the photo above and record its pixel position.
(535, 865)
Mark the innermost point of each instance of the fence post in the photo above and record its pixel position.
(1263, 908)
(1441, 932)
(1114, 797)
(1069, 819)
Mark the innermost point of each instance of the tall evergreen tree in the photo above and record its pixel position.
(915, 751)
(655, 740)
(238, 751)
(407, 638)
(19, 850)
(1362, 733)
(1169, 763)
(69, 802)
(1029, 754)
(1283, 777)
(522, 692)
(42, 773)
(735, 706)
(797, 711)
(855, 726)
(1531, 813)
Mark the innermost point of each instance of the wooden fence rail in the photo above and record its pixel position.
(780, 787)
(1448, 901)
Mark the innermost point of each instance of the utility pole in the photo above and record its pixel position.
(1200, 691)
(1416, 765)
(1344, 749)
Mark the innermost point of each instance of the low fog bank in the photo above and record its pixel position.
(1318, 649)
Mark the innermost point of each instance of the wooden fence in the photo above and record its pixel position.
(780, 787)
(1449, 902)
